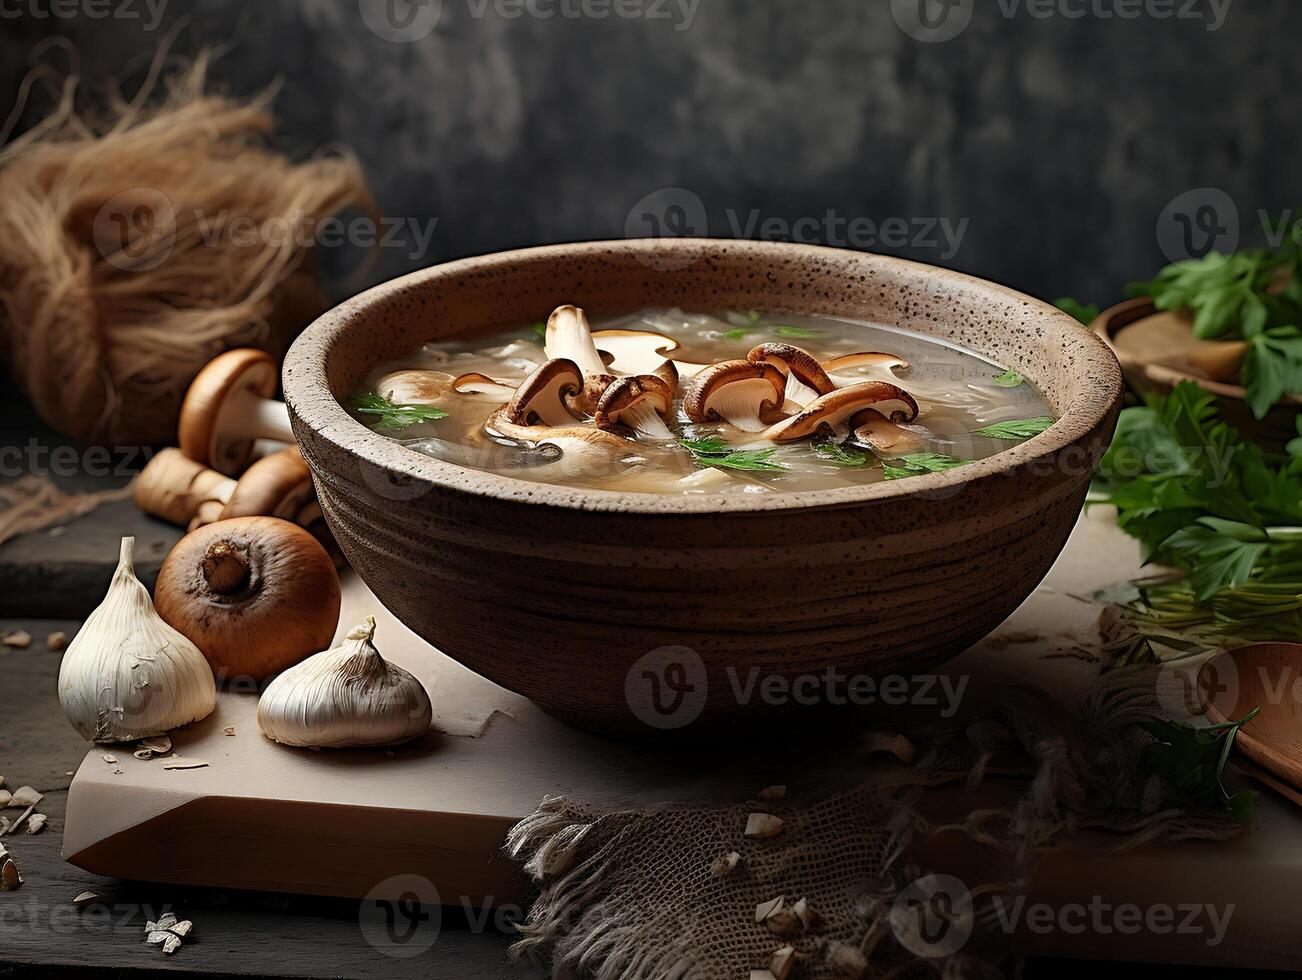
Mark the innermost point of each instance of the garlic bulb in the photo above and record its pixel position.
(128, 675)
(345, 697)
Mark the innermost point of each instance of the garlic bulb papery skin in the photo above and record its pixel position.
(127, 674)
(347, 697)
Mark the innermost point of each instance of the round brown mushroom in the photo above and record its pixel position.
(806, 379)
(832, 412)
(743, 394)
(228, 407)
(638, 403)
(543, 397)
(279, 485)
(173, 487)
(255, 594)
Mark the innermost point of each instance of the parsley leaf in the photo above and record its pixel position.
(1272, 367)
(915, 463)
(741, 333)
(1008, 379)
(1017, 428)
(838, 455)
(394, 416)
(713, 451)
(796, 333)
(1085, 314)
(540, 330)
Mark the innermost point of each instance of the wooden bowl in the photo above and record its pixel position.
(1266, 676)
(1158, 350)
(559, 594)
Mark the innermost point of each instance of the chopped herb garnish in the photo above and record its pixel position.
(540, 329)
(713, 451)
(830, 452)
(741, 333)
(394, 416)
(1008, 379)
(753, 316)
(915, 463)
(796, 333)
(1192, 761)
(1073, 307)
(1017, 428)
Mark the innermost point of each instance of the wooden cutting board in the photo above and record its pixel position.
(429, 818)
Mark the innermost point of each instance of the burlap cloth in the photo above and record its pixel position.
(638, 894)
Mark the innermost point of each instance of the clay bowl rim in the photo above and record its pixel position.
(305, 377)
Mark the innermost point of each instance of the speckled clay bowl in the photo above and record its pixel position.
(561, 594)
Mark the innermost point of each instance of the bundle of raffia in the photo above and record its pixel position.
(120, 270)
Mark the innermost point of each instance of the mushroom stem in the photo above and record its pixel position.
(643, 419)
(225, 569)
(569, 337)
(253, 417)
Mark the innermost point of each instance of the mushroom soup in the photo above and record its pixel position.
(667, 401)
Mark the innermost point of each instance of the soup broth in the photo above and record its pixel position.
(642, 403)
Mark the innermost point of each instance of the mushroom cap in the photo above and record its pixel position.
(794, 361)
(279, 485)
(885, 364)
(254, 594)
(627, 392)
(761, 384)
(199, 431)
(569, 337)
(835, 410)
(171, 486)
(872, 428)
(482, 385)
(585, 449)
(543, 394)
(414, 387)
(634, 351)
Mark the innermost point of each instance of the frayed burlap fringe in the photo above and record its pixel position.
(120, 271)
(634, 895)
(33, 503)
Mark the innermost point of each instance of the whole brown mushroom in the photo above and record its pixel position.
(255, 594)
(229, 407)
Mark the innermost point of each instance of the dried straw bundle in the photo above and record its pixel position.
(119, 277)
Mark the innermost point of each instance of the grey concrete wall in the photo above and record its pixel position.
(1049, 143)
